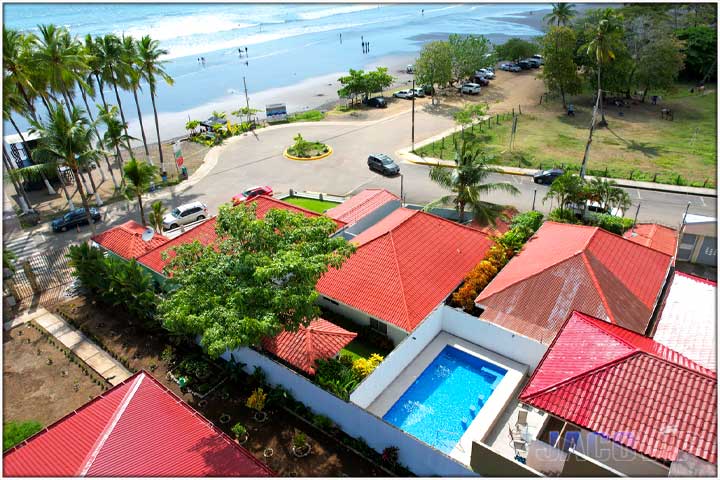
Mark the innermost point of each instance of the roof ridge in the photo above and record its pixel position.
(451, 222)
(598, 287)
(615, 235)
(400, 280)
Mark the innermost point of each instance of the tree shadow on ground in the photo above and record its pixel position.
(447, 111)
(643, 147)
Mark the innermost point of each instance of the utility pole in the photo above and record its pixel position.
(247, 101)
(412, 134)
(684, 217)
(534, 195)
(635, 220)
(402, 194)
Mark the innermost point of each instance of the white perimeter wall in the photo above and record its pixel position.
(394, 333)
(420, 458)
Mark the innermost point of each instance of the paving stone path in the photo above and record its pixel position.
(95, 357)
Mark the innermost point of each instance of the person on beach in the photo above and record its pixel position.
(423, 12)
(341, 39)
(367, 47)
(240, 51)
(246, 51)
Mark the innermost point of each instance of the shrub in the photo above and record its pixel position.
(363, 367)
(528, 221)
(167, 354)
(322, 422)
(88, 265)
(562, 216)
(611, 223)
(195, 367)
(336, 377)
(256, 400)
(308, 116)
(300, 440)
(239, 430)
(258, 377)
(481, 275)
(16, 432)
(390, 455)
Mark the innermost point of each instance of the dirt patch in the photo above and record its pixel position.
(39, 381)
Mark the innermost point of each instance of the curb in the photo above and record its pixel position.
(309, 159)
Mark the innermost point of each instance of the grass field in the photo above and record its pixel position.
(307, 116)
(638, 144)
(311, 204)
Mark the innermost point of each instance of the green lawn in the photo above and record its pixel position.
(311, 204)
(639, 143)
(16, 432)
(307, 116)
(359, 349)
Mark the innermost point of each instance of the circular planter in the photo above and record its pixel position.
(308, 159)
(268, 452)
(260, 417)
(202, 403)
(301, 451)
(243, 439)
(224, 418)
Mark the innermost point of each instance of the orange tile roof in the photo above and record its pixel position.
(126, 240)
(641, 394)
(658, 237)
(357, 206)
(572, 267)
(405, 266)
(319, 340)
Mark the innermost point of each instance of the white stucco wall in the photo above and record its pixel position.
(619, 457)
(394, 333)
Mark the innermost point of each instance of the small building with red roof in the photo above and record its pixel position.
(625, 400)
(138, 428)
(658, 237)
(318, 341)
(126, 241)
(359, 206)
(688, 319)
(404, 266)
(567, 267)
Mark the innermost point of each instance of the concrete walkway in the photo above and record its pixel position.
(95, 357)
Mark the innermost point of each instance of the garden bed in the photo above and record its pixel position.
(318, 206)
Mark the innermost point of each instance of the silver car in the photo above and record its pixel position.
(184, 214)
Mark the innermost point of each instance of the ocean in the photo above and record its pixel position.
(287, 44)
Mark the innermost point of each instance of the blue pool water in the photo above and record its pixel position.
(445, 398)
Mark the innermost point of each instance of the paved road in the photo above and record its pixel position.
(257, 159)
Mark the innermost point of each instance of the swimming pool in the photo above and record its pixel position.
(442, 403)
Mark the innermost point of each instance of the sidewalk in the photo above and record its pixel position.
(406, 155)
(96, 358)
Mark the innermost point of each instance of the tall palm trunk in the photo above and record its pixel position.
(97, 134)
(122, 114)
(31, 107)
(100, 89)
(603, 123)
(83, 197)
(68, 198)
(118, 159)
(17, 184)
(142, 210)
(157, 130)
(98, 200)
(50, 189)
(142, 128)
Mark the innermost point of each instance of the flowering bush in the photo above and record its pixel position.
(256, 400)
(364, 367)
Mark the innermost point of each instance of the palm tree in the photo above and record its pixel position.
(561, 14)
(95, 60)
(114, 69)
(17, 181)
(67, 139)
(138, 176)
(17, 52)
(114, 138)
(466, 182)
(134, 75)
(601, 46)
(149, 53)
(155, 217)
(566, 189)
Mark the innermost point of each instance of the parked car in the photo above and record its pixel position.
(403, 94)
(471, 88)
(74, 218)
(534, 62)
(514, 68)
(485, 72)
(547, 176)
(377, 102)
(524, 65)
(184, 214)
(383, 164)
(537, 56)
(418, 92)
(505, 66)
(593, 208)
(252, 193)
(480, 80)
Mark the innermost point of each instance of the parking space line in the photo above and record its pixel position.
(638, 194)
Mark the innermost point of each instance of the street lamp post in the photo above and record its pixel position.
(412, 132)
(402, 190)
(534, 195)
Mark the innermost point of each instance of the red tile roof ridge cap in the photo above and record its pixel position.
(543, 270)
(411, 215)
(450, 222)
(598, 288)
(634, 243)
(399, 273)
(696, 278)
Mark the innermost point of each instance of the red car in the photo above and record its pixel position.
(251, 193)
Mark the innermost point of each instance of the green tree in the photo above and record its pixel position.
(469, 54)
(377, 80)
(515, 49)
(155, 217)
(256, 280)
(114, 71)
(566, 189)
(434, 65)
(700, 51)
(560, 71)
(17, 66)
(466, 180)
(134, 77)
(191, 125)
(561, 14)
(149, 53)
(114, 138)
(659, 64)
(67, 139)
(353, 85)
(138, 176)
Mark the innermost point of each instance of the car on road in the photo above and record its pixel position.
(470, 88)
(547, 176)
(376, 102)
(487, 73)
(74, 218)
(252, 193)
(403, 94)
(418, 92)
(383, 164)
(184, 214)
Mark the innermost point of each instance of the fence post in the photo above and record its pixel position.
(292, 192)
(519, 109)
(321, 197)
(704, 183)
(513, 112)
(606, 172)
(30, 276)
(631, 174)
(497, 118)
(655, 178)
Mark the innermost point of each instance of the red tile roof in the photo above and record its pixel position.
(658, 237)
(357, 206)
(126, 240)
(572, 267)
(638, 392)
(319, 340)
(404, 266)
(137, 429)
(689, 319)
(205, 232)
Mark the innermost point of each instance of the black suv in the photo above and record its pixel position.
(547, 176)
(73, 218)
(525, 65)
(383, 164)
(377, 102)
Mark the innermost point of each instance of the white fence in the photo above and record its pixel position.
(420, 458)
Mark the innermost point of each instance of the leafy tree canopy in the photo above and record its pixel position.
(560, 71)
(469, 53)
(256, 280)
(659, 64)
(434, 65)
(515, 49)
(700, 51)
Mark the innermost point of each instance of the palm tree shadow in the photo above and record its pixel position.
(634, 146)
